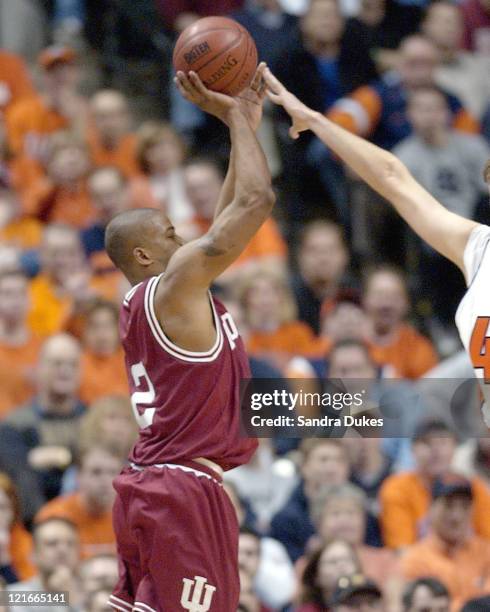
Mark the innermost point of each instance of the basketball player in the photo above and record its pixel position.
(462, 241)
(176, 528)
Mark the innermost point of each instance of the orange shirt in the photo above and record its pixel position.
(24, 233)
(103, 376)
(411, 354)
(58, 204)
(29, 122)
(49, 312)
(295, 338)
(405, 502)
(15, 82)
(96, 532)
(465, 571)
(21, 552)
(17, 365)
(123, 156)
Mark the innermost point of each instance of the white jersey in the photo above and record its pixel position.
(473, 314)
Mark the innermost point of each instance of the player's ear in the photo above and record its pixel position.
(142, 256)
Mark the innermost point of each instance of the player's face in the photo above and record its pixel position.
(343, 518)
(425, 601)
(336, 561)
(162, 240)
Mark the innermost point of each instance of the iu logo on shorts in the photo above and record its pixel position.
(196, 602)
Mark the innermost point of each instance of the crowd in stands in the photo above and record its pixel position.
(333, 285)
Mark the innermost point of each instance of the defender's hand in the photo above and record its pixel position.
(193, 89)
(251, 99)
(299, 112)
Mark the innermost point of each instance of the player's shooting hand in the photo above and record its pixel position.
(251, 99)
(193, 89)
(299, 112)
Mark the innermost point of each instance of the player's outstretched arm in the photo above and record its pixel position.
(198, 263)
(445, 231)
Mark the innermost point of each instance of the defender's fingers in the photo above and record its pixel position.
(274, 84)
(258, 76)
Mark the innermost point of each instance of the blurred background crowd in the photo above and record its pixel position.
(333, 285)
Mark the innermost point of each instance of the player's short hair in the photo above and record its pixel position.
(436, 588)
(151, 134)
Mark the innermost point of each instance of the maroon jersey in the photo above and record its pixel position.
(187, 404)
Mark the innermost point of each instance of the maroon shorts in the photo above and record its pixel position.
(177, 541)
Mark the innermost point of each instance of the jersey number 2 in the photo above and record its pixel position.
(142, 398)
(480, 347)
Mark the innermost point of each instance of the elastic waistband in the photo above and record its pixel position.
(190, 466)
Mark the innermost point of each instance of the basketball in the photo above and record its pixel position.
(220, 51)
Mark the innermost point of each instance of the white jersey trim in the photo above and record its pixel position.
(166, 343)
(130, 293)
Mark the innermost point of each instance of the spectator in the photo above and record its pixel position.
(461, 73)
(64, 285)
(99, 602)
(379, 110)
(203, 179)
(322, 259)
(19, 348)
(17, 230)
(265, 482)
(448, 164)
(110, 140)
(270, 26)
(249, 600)
(324, 463)
(356, 594)
(334, 70)
(108, 190)
(98, 573)
(90, 508)
(451, 552)
(249, 557)
(56, 554)
(381, 25)
(392, 341)
(103, 370)
(62, 195)
(342, 513)
(406, 497)
(15, 82)
(325, 567)
(110, 423)
(15, 541)
(476, 36)
(160, 152)
(426, 595)
(274, 333)
(275, 580)
(48, 427)
(59, 107)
